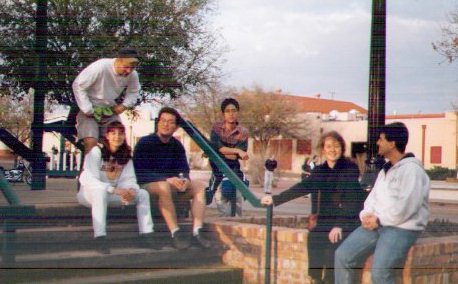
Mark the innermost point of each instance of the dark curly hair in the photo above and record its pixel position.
(229, 101)
(123, 154)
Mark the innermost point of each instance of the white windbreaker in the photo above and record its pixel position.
(400, 196)
(94, 177)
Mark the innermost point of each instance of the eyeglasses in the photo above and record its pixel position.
(167, 121)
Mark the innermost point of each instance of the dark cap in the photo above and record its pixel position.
(128, 52)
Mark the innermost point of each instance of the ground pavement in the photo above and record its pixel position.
(61, 192)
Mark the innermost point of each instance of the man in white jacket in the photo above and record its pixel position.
(97, 89)
(395, 213)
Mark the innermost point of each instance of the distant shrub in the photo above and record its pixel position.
(440, 173)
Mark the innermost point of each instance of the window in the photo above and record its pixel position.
(436, 154)
(304, 147)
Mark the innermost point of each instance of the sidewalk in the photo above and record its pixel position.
(61, 192)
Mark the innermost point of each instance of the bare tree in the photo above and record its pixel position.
(448, 45)
(269, 115)
(16, 115)
(203, 108)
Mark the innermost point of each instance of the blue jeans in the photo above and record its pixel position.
(390, 246)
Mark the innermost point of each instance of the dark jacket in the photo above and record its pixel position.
(342, 197)
(156, 161)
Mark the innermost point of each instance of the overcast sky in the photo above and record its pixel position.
(306, 47)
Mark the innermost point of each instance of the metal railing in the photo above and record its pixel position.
(214, 156)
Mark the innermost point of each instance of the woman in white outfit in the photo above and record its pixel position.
(108, 178)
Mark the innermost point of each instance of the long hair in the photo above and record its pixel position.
(123, 154)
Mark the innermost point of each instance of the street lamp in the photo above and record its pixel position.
(376, 105)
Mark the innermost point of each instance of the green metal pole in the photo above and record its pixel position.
(40, 87)
(269, 214)
(8, 192)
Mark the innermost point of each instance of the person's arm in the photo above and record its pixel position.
(302, 188)
(132, 91)
(81, 85)
(90, 176)
(231, 153)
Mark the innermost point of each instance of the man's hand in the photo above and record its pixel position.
(118, 109)
(267, 200)
(370, 222)
(180, 184)
(243, 155)
(335, 235)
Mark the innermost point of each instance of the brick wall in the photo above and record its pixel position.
(430, 261)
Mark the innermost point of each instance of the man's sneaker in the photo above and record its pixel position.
(101, 245)
(201, 242)
(149, 240)
(179, 241)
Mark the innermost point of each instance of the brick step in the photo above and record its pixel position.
(202, 275)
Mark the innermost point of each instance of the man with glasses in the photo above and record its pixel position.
(161, 168)
(231, 141)
(98, 89)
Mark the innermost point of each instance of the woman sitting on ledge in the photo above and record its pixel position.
(337, 199)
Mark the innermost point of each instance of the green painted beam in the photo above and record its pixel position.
(8, 192)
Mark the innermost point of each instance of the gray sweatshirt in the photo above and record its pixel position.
(400, 196)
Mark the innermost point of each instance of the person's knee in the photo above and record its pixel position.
(380, 275)
(161, 189)
(142, 195)
(340, 255)
(197, 189)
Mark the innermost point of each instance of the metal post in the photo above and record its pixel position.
(40, 85)
(269, 215)
(376, 107)
(270, 166)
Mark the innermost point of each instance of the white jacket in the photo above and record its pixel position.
(93, 175)
(400, 196)
(99, 85)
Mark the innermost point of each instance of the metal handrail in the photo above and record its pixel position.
(203, 143)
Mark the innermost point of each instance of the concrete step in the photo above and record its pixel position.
(124, 257)
(202, 275)
(73, 238)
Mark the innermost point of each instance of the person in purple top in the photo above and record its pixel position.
(161, 168)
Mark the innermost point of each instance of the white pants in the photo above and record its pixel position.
(98, 200)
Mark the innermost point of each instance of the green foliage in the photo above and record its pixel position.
(178, 51)
(440, 173)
